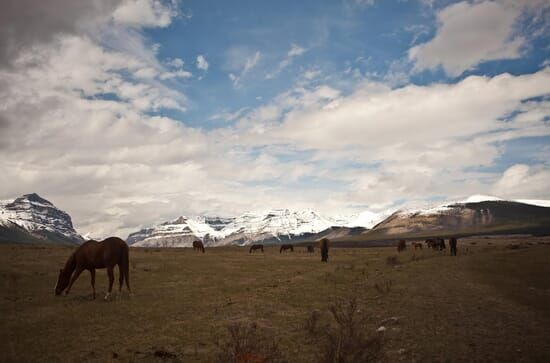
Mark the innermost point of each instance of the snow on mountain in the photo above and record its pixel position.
(477, 198)
(276, 223)
(245, 229)
(38, 217)
(537, 202)
(366, 219)
(180, 232)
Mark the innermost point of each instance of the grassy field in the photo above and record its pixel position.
(490, 303)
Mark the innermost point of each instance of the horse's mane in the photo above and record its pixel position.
(70, 265)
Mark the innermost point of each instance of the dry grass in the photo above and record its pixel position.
(492, 304)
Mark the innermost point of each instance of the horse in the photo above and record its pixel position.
(429, 243)
(198, 246)
(323, 244)
(256, 247)
(452, 245)
(440, 244)
(286, 247)
(91, 255)
(310, 249)
(401, 245)
(417, 245)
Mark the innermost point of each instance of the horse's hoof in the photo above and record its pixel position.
(107, 295)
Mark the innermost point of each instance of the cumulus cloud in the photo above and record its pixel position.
(24, 23)
(469, 34)
(202, 64)
(145, 13)
(524, 181)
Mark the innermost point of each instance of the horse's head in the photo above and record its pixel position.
(62, 282)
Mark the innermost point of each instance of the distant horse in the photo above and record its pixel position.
(256, 247)
(310, 249)
(198, 246)
(452, 245)
(437, 244)
(417, 245)
(401, 245)
(91, 255)
(286, 247)
(323, 244)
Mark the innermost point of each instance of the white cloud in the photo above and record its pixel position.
(243, 62)
(175, 62)
(296, 50)
(251, 62)
(202, 64)
(144, 13)
(523, 181)
(469, 34)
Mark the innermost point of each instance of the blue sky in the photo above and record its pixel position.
(145, 110)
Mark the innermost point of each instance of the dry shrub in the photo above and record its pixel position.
(392, 260)
(246, 344)
(345, 340)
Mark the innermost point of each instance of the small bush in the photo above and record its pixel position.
(345, 341)
(246, 344)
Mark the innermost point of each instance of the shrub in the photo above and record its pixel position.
(246, 344)
(345, 340)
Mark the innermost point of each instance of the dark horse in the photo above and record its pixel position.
(401, 245)
(452, 244)
(198, 246)
(286, 247)
(256, 247)
(323, 244)
(91, 255)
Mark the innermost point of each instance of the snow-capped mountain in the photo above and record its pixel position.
(180, 232)
(271, 226)
(33, 217)
(476, 214)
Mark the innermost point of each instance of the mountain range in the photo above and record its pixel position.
(31, 218)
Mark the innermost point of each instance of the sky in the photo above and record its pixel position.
(126, 113)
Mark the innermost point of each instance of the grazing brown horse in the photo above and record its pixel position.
(256, 247)
(286, 247)
(91, 255)
(417, 245)
(401, 245)
(310, 249)
(323, 244)
(198, 246)
(452, 245)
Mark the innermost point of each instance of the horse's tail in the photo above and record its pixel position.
(125, 263)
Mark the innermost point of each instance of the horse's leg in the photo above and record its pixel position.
(120, 278)
(111, 280)
(92, 273)
(77, 273)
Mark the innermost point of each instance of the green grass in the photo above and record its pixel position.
(488, 304)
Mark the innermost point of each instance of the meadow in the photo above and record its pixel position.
(490, 303)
